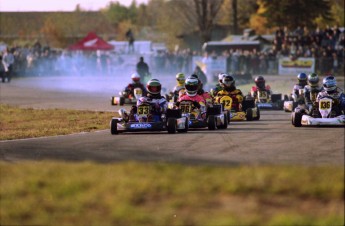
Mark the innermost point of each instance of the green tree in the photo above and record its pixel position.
(294, 13)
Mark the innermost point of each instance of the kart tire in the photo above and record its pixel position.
(113, 127)
(122, 101)
(258, 114)
(249, 114)
(171, 125)
(225, 125)
(228, 116)
(296, 119)
(211, 123)
(185, 130)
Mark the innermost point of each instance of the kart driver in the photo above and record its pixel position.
(207, 97)
(192, 86)
(135, 84)
(180, 78)
(302, 82)
(229, 89)
(154, 98)
(260, 86)
(312, 89)
(331, 90)
(219, 85)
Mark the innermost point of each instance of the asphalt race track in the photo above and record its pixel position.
(272, 140)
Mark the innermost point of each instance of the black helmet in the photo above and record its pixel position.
(228, 81)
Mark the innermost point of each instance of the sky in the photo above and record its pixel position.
(58, 5)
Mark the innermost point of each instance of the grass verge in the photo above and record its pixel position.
(16, 123)
(129, 193)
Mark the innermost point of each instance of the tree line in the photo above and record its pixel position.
(170, 21)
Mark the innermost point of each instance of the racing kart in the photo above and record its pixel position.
(264, 100)
(127, 98)
(327, 114)
(145, 120)
(249, 111)
(291, 102)
(214, 117)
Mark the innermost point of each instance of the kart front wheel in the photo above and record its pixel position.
(249, 114)
(211, 122)
(186, 127)
(296, 119)
(171, 125)
(257, 114)
(113, 126)
(225, 125)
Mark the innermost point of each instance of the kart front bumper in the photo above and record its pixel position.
(310, 121)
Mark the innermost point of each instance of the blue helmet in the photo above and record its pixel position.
(302, 77)
(329, 83)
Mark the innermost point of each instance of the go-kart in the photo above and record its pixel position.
(249, 110)
(327, 114)
(127, 98)
(146, 120)
(264, 100)
(213, 118)
(291, 102)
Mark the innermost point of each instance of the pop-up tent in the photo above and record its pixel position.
(91, 42)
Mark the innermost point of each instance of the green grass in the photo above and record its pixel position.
(16, 123)
(52, 193)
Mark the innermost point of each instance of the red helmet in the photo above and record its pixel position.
(260, 82)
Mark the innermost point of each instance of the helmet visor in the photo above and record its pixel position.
(191, 87)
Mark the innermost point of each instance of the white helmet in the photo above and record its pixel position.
(192, 86)
(221, 76)
(135, 77)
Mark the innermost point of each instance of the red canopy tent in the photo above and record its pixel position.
(91, 42)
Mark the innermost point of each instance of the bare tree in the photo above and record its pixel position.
(200, 14)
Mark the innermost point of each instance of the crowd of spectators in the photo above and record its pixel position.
(327, 46)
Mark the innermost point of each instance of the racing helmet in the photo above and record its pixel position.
(302, 78)
(192, 86)
(329, 83)
(135, 77)
(199, 81)
(260, 82)
(228, 81)
(180, 79)
(154, 86)
(313, 79)
(221, 76)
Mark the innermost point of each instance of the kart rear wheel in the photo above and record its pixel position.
(122, 101)
(296, 119)
(249, 114)
(211, 122)
(171, 126)
(113, 126)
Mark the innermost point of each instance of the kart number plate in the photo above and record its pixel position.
(138, 91)
(325, 104)
(143, 110)
(226, 101)
(186, 107)
(262, 95)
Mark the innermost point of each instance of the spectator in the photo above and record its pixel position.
(130, 38)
